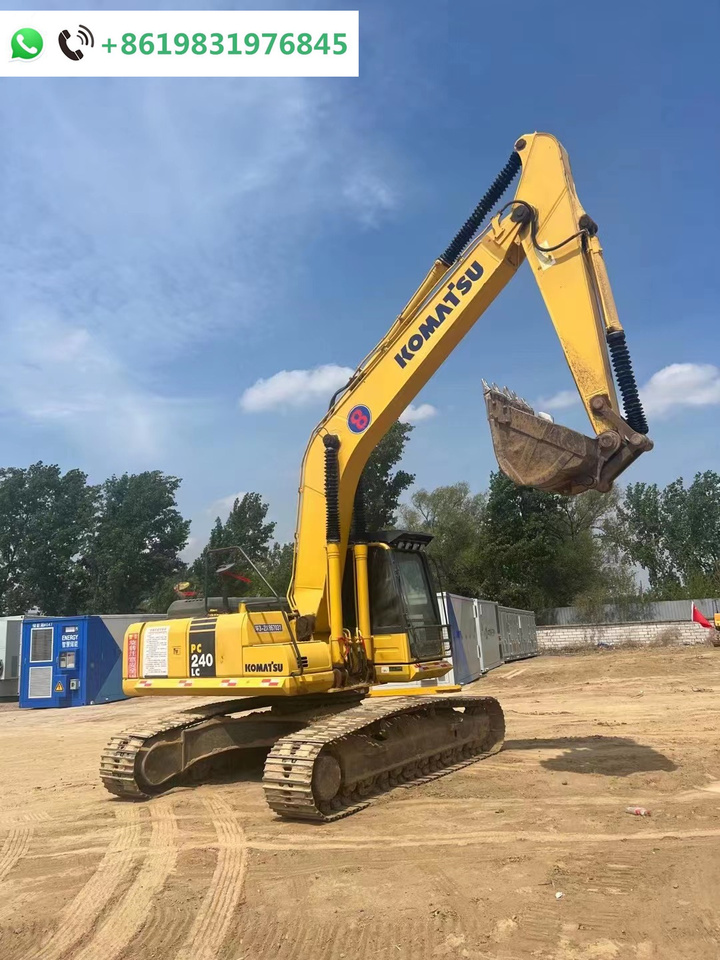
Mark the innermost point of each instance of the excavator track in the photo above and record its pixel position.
(341, 764)
(121, 759)
(328, 758)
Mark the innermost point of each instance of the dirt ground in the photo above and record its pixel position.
(527, 854)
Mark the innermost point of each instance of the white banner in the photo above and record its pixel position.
(179, 43)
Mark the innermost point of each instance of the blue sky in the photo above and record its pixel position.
(166, 244)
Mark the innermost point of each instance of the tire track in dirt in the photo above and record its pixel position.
(606, 892)
(79, 918)
(14, 848)
(38, 816)
(256, 936)
(490, 836)
(301, 942)
(213, 919)
(129, 916)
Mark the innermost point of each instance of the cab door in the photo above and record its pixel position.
(38, 666)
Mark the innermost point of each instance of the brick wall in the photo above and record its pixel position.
(591, 635)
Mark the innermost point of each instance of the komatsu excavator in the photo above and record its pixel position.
(290, 675)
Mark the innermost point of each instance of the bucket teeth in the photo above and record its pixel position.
(508, 395)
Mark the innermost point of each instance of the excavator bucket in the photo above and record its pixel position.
(535, 452)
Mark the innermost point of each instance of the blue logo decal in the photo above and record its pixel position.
(359, 418)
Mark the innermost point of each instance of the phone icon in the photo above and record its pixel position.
(32, 51)
(26, 44)
(63, 41)
(84, 36)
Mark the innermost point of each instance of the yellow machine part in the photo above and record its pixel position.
(248, 653)
(414, 691)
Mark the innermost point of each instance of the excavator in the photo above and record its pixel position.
(299, 676)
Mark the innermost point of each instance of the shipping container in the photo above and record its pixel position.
(73, 661)
(518, 633)
(10, 632)
(474, 638)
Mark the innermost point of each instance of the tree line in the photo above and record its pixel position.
(69, 547)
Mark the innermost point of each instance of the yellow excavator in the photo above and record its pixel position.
(296, 676)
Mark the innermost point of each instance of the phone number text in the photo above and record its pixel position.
(216, 44)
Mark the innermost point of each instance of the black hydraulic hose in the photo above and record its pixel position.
(622, 365)
(332, 488)
(338, 392)
(471, 225)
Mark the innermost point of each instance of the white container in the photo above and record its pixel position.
(10, 634)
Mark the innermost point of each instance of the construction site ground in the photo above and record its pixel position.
(529, 853)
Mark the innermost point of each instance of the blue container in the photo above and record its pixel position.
(72, 661)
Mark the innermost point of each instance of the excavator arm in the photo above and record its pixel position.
(546, 225)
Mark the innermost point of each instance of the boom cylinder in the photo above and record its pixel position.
(359, 539)
(332, 537)
(362, 588)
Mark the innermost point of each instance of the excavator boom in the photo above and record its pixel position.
(546, 225)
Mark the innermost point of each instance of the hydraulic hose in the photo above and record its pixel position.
(472, 224)
(332, 535)
(622, 365)
(332, 488)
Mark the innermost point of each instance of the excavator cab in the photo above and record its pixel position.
(405, 619)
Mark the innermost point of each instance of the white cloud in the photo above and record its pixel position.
(192, 549)
(558, 401)
(65, 379)
(225, 504)
(294, 388)
(370, 196)
(677, 385)
(681, 385)
(98, 318)
(413, 414)
(238, 158)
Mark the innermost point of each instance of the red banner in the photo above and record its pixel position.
(699, 618)
(132, 656)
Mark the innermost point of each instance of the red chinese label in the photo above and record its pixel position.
(133, 643)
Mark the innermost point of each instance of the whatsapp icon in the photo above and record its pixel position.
(26, 44)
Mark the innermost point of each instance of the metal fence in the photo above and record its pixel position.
(629, 612)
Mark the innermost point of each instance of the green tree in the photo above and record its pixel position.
(383, 488)
(522, 547)
(45, 517)
(138, 534)
(165, 593)
(604, 575)
(246, 526)
(522, 544)
(674, 534)
(278, 566)
(545, 550)
(455, 518)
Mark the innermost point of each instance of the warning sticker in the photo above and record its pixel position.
(59, 688)
(133, 642)
(155, 651)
